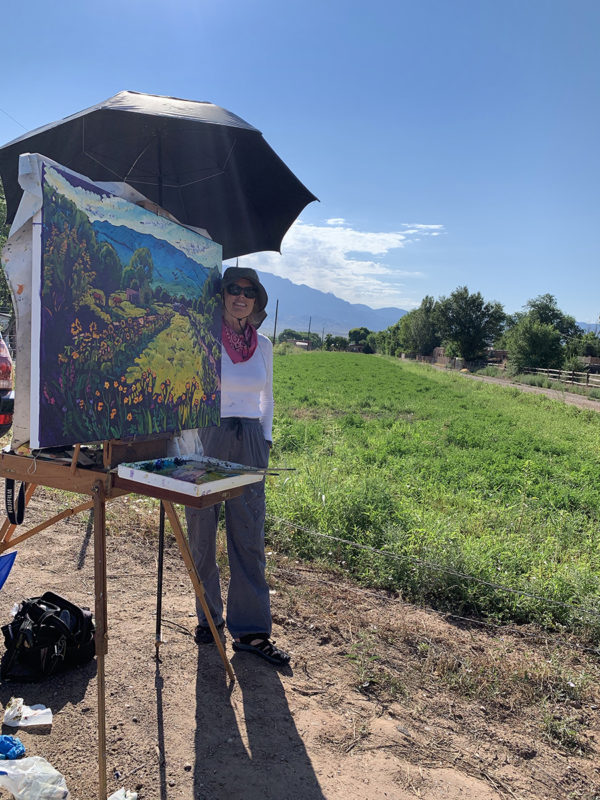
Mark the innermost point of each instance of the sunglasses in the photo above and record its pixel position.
(249, 291)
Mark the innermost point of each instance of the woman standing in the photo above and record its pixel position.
(244, 436)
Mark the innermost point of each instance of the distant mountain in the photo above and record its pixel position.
(590, 326)
(298, 303)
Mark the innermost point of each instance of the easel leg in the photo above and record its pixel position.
(197, 583)
(101, 623)
(69, 512)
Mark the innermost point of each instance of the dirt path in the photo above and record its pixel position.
(566, 397)
(383, 700)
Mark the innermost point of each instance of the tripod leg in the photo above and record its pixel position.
(101, 625)
(159, 582)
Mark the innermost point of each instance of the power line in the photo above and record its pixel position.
(13, 119)
(439, 567)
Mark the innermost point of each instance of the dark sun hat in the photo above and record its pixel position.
(233, 274)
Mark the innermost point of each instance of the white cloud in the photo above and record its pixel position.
(352, 264)
(422, 227)
(335, 221)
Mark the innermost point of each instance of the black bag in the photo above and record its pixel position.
(48, 635)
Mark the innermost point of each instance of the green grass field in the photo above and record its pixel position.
(432, 467)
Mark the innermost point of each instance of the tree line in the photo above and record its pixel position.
(466, 325)
(357, 336)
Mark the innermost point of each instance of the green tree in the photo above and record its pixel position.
(5, 298)
(339, 343)
(68, 257)
(111, 269)
(469, 322)
(370, 344)
(406, 340)
(544, 309)
(534, 344)
(313, 338)
(140, 268)
(589, 344)
(418, 330)
(301, 336)
(521, 339)
(141, 262)
(335, 342)
(388, 340)
(138, 274)
(358, 335)
(288, 334)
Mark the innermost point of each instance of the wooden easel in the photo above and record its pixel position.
(102, 486)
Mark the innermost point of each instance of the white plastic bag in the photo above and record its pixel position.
(18, 715)
(33, 779)
(123, 794)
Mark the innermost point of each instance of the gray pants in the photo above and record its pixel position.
(248, 606)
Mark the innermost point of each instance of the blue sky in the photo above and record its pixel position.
(450, 142)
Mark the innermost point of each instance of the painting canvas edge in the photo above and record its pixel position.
(36, 310)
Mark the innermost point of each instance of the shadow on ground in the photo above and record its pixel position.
(240, 739)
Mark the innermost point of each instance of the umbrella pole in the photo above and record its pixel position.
(159, 581)
(160, 172)
(101, 625)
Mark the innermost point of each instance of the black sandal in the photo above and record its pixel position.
(203, 634)
(260, 644)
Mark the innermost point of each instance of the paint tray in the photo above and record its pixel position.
(194, 475)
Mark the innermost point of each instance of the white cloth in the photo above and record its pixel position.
(185, 443)
(247, 387)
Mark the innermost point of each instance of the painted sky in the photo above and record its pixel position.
(449, 143)
(97, 209)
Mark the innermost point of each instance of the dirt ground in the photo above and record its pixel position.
(382, 700)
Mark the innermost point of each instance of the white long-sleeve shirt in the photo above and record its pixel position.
(247, 387)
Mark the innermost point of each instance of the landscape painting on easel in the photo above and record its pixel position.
(129, 319)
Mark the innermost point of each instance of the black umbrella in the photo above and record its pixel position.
(202, 163)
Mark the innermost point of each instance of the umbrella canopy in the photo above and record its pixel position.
(203, 164)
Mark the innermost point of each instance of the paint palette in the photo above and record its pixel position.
(196, 476)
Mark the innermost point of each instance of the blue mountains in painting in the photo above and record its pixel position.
(126, 241)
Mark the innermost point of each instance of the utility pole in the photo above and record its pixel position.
(275, 324)
(309, 321)
(323, 339)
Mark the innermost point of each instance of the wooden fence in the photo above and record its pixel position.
(567, 376)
